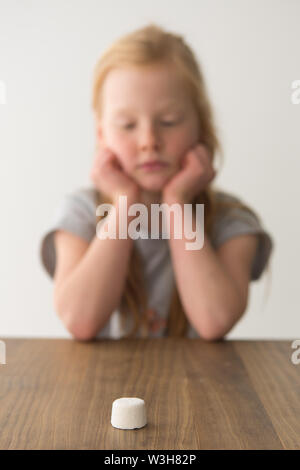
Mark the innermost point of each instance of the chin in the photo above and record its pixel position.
(153, 184)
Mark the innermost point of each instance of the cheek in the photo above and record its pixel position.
(123, 148)
(182, 141)
(183, 138)
(116, 141)
(178, 146)
(125, 161)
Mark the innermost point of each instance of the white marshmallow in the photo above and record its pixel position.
(128, 413)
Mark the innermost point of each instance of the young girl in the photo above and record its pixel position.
(156, 144)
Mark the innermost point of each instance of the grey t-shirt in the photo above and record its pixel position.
(77, 214)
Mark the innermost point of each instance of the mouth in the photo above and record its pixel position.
(153, 166)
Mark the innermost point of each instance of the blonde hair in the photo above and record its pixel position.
(146, 46)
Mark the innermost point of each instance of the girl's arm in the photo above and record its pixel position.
(213, 293)
(86, 295)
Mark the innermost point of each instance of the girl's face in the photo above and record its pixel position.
(147, 114)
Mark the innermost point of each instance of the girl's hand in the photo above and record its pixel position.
(109, 177)
(196, 172)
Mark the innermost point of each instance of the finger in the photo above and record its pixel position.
(105, 157)
(204, 152)
(210, 175)
(214, 173)
(205, 161)
(103, 152)
(184, 161)
(112, 161)
(107, 154)
(199, 163)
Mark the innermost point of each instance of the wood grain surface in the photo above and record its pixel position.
(58, 394)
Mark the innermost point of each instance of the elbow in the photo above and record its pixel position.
(81, 334)
(80, 331)
(214, 324)
(213, 331)
(83, 339)
(212, 337)
(216, 331)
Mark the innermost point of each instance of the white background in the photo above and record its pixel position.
(249, 51)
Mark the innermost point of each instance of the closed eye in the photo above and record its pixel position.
(168, 123)
(164, 123)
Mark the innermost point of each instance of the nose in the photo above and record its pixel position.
(149, 138)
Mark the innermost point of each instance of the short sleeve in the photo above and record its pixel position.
(237, 221)
(76, 214)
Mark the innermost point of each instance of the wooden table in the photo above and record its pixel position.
(58, 394)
